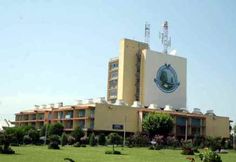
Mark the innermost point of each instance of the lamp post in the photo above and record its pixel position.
(124, 130)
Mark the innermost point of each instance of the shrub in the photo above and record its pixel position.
(5, 144)
(54, 142)
(209, 156)
(113, 152)
(34, 135)
(138, 140)
(187, 148)
(77, 144)
(83, 145)
(172, 141)
(84, 140)
(157, 122)
(64, 139)
(102, 139)
(56, 129)
(70, 140)
(78, 133)
(114, 139)
(27, 139)
(92, 140)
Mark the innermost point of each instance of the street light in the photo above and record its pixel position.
(124, 131)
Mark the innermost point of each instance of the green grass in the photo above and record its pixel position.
(97, 154)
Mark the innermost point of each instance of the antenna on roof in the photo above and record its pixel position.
(147, 33)
(165, 40)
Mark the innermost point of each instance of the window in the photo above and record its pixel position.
(196, 122)
(113, 83)
(60, 115)
(92, 113)
(82, 124)
(91, 124)
(81, 113)
(114, 65)
(69, 115)
(114, 74)
(181, 121)
(113, 92)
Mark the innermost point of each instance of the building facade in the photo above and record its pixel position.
(140, 81)
(105, 117)
(147, 76)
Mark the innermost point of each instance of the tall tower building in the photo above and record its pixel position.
(150, 77)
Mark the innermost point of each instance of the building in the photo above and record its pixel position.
(140, 81)
(140, 74)
(100, 116)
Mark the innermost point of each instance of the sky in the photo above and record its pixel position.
(58, 50)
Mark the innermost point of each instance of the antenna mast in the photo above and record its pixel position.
(147, 33)
(165, 40)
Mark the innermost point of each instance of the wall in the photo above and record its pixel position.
(217, 126)
(150, 93)
(127, 69)
(106, 115)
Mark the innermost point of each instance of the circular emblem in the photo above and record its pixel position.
(166, 79)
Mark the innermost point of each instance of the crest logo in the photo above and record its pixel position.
(166, 79)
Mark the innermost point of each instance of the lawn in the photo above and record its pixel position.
(96, 154)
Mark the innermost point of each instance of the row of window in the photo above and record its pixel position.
(59, 115)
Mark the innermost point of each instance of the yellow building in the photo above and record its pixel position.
(147, 76)
(105, 117)
(140, 81)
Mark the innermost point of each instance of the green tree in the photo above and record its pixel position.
(54, 142)
(64, 139)
(102, 139)
(34, 135)
(92, 140)
(158, 123)
(114, 139)
(77, 134)
(56, 129)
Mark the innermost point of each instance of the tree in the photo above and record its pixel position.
(158, 123)
(56, 129)
(64, 139)
(34, 135)
(54, 142)
(114, 139)
(5, 140)
(77, 134)
(102, 139)
(92, 140)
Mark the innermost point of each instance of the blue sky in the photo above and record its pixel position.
(57, 50)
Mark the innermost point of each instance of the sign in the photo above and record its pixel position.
(166, 79)
(117, 126)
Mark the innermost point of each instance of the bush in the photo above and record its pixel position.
(70, 140)
(5, 144)
(158, 122)
(172, 141)
(83, 145)
(114, 139)
(210, 156)
(77, 144)
(54, 142)
(138, 140)
(84, 140)
(92, 140)
(78, 133)
(64, 139)
(113, 152)
(102, 139)
(27, 139)
(34, 135)
(187, 148)
(56, 129)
